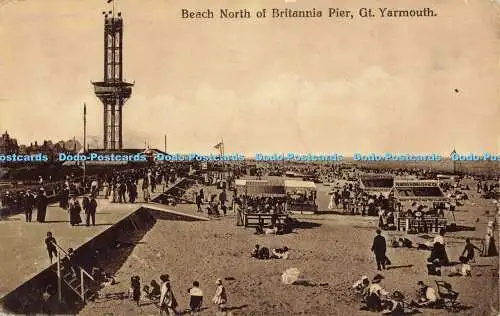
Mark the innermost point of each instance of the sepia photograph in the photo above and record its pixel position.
(249, 157)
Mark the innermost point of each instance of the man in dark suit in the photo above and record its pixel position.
(92, 208)
(379, 248)
(41, 206)
(29, 203)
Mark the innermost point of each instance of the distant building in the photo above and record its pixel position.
(8, 145)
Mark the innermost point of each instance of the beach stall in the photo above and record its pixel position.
(419, 205)
(301, 196)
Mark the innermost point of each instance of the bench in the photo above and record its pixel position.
(424, 224)
(257, 219)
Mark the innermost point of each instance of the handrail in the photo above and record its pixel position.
(81, 269)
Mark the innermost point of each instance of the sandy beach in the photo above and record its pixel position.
(333, 249)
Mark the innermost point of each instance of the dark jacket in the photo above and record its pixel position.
(379, 245)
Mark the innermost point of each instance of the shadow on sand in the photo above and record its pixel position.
(459, 228)
(399, 267)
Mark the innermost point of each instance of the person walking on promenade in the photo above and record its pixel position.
(74, 211)
(85, 205)
(145, 191)
(222, 200)
(29, 202)
(50, 243)
(41, 202)
(132, 193)
(379, 248)
(198, 202)
(91, 210)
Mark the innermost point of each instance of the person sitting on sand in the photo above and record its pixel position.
(375, 296)
(279, 253)
(361, 287)
(255, 252)
(426, 296)
(462, 269)
(263, 253)
(394, 305)
(153, 291)
(469, 250)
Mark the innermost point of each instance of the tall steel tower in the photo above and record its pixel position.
(113, 91)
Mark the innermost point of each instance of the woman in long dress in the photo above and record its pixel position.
(489, 245)
(112, 192)
(74, 212)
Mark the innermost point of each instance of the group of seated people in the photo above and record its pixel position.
(276, 228)
(263, 253)
(262, 204)
(376, 299)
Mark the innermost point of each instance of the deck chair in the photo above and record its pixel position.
(447, 296)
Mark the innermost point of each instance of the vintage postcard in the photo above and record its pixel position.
(249, 157)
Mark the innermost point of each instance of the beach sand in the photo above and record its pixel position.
(334, 250)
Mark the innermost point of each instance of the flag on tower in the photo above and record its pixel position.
(220, 147)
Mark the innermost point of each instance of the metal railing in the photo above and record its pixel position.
(83, 273)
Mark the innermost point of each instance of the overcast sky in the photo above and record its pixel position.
(317, 85)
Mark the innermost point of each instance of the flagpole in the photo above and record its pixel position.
(84, 141)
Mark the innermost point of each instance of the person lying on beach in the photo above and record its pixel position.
(426, 296)
(279, 253)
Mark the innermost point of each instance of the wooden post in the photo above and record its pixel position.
(82, 287)
(407, 224)
(59, 290)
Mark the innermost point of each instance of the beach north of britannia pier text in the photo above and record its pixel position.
(286, 13)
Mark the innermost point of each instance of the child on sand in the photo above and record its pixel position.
(220, 297)
(135, 289)
(196, 298)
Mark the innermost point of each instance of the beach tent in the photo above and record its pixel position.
(297, 185)
(376, 184)
(260, 187)
(423, 192)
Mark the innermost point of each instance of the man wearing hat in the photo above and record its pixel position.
(29, 202)
(41, 202)
(379, 248)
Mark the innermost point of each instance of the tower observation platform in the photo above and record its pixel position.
(113, 91)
